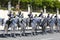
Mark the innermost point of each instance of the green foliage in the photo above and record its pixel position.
(57, 4)
(50, 5)
(3, 8)
(38, 2)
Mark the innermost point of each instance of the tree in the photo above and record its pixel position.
(57, 5)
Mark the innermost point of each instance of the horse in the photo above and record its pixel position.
(51, 24)
(34, 26)
(11, 23)
(44, 25)
(58, 24)
(22, 24)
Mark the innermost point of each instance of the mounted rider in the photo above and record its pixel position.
(30, 17)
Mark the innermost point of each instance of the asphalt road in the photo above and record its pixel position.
(48, 36)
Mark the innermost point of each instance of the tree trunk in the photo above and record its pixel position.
(28, 8)
(57, 11)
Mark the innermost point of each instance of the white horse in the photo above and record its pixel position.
(11, 23)
(34, 26)
(58, 24)
(51, 24)
(22, 23)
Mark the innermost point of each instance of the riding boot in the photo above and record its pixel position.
(20, 34)
(32, 33)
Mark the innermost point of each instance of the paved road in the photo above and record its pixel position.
(48, 36)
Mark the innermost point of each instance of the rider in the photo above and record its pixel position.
(30, 16)
(48, 18)
(20, 15)
(10, 15)
(41, 14)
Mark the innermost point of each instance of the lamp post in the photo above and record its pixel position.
(19, 4)
(9, 5)
(18, 1)
(58, 9)
(29, 8)
(44, 9)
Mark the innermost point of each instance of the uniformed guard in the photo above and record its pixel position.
(30, 16)
(48, 18)
(10, 15)
(41, 15)
(20, 15)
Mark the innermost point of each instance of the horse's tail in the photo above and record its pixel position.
(2, 22)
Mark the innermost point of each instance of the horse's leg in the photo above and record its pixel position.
(21, 32)
(59, 28)
(36, 30)
(43, 29)
(52, 29)
(24, 27)
(38, 25)
(33, 29)
(24, 31)
(2, 22)
(14, 28)
(18, 27)
(56, 28)
(6, 29)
